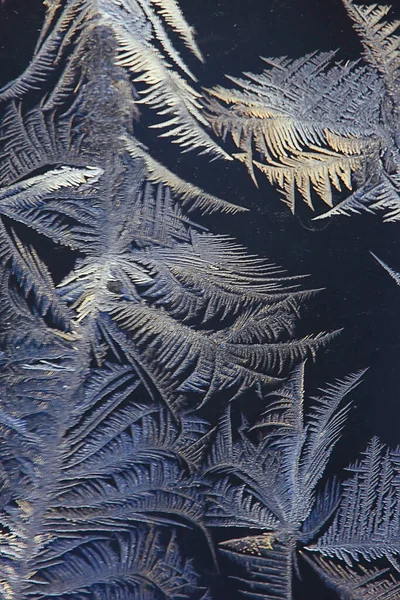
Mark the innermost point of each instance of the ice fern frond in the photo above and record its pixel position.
(48, 50)
(326, 419)
(143, 47)
(366, 524)
(264, 478)
(34, 201)
(379, 38)
(78, 487)
(204, 362)
(371, 197)
(311, 121)
(172, 15)
(32, 140)
(358, 583)
(394, 274)
(165, 89)
(127, 565)
(323, 128)
(192, 197)
(318, 170)
(33, 278)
